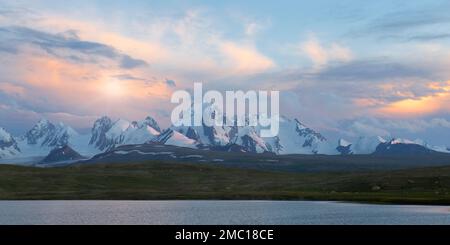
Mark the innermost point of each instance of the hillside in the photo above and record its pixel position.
(268, 161)
(155, 181)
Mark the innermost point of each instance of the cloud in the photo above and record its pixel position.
(245, 58)
(429, 37)
(188, 45)
(322, 55)
(358, 128)
(129, 77)
(17, 15)
(49, 63)
(440, 122)
(252, 27)
(39, 81)
(378, 87)
(372, 126)
(375, 69)
(64, 45)
(406, 20)
(20, 119)
(128, 62)
(171, 83)
(409, 24)
(420, 105)
(49, 59)
(11, 89)
(200, 49)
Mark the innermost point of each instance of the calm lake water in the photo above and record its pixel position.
(216, 212)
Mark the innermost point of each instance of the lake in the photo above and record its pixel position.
(216, 212)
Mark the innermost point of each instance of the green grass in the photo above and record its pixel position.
(167, 181)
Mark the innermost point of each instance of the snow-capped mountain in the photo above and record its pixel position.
(294, 138)
(141, 132)
(205, 135)
(249, 140)
(442, 149)
(175, 138)
(46, 136)
(379, 145)
(222, 136)
(402, 147)
(8, 145)
(363, 145)
(98, 133)
(107, 134)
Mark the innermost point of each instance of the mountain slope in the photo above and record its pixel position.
(98, 133)
(295, 138)
(45, 136)
(402, 148)
(175, 138)
(141, 132)
(107, 134)
(8, 145)
(62, 154)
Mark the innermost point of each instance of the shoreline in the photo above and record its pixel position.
(346, 201)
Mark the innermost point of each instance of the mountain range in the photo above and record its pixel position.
(294, 138)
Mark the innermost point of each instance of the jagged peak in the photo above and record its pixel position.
(150, 121)
(118, 127)
(42, 124)
(43, 121)
(149, 118)
(5, 136)
(104, 120)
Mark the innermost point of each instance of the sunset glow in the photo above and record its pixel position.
(129, 58)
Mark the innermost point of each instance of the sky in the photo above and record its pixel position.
(344, 68)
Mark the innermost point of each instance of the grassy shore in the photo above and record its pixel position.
(166, 181)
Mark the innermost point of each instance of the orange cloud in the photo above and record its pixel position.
(367, 102)
(200, 51)
(54, 84)
(245, 58)
(12, 89)
(321, 55)
(147, 50)
(421, 106)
